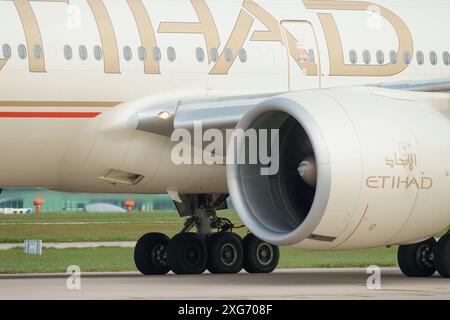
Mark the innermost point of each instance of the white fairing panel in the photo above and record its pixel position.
(403, 180)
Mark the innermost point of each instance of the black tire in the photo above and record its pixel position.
(416, 260)
(150, 254)
(187, 254)
(442, 256)
(259, 256)
(225, 253)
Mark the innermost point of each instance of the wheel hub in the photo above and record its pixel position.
(425, 257)
(228, 254)
(264, 254)
(159, 255)
(192, 255)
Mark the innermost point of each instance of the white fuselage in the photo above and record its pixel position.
(63, 118)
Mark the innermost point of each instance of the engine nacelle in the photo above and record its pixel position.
(357, 169)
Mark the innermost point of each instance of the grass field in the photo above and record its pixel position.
(121, 259)
(80, 227)
(83, 227)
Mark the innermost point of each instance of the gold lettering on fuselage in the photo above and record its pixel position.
(235, 42)
(334, 42)
(146, 33)
(32, 34)
(274, 33)
(205, 26)
(107, 36)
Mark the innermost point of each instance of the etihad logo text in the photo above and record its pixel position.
(397, 182)
(253, 24)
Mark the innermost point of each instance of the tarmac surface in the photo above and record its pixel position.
(282, 284)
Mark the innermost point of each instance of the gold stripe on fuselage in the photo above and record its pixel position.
(92, 104)
(107, 36)
(2, 63)
(146, 33)
(32, 33)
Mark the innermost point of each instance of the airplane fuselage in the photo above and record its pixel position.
(69, 69)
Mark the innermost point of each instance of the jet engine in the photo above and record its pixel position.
(357, 168)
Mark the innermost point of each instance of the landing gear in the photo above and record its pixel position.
(187, 254)
(442, 256)
(221, 252)
(150, 254)
(417, 260)
(259, 256)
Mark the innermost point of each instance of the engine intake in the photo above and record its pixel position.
(282, 208)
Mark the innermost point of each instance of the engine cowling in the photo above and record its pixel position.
(356, 169)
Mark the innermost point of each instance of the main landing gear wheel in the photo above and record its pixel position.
(150, 254)
(259, 256)
(187, 254)
(417, 260)
(225, 253)
(442, 256)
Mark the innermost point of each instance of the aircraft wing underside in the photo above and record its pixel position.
(224, 113)
(434, 85)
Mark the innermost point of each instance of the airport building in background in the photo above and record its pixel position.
(68, 202)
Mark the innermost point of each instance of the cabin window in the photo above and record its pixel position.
(171, 54)
(82, 51)
(446, 58)
(200, 54)
(242, 55)
(311, 55)
(156, 54)
(228, 55)
(68, 52)
(406, 57)
(142, 53)
(380, 57)
(214, 54)
(37, 51)
(6, 49)
(420, 58)
(433, 58)
(393, 57)
(366, 56)
(127, 54)
(98, 53)
(353, 56)
(22, 51)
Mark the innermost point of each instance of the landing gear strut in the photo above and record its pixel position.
(212, 246)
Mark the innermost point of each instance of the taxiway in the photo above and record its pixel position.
(283, 284)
